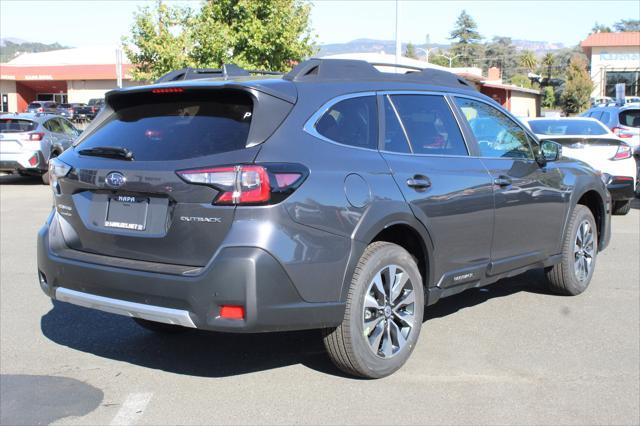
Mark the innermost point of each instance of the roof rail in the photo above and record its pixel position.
(350, 69)
(227, 71)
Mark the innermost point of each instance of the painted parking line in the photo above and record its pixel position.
(132, 409)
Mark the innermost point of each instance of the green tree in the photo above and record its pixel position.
(159, 41)
(625, 25)
(521, 80)
(548, 61)
(549, 98)
(500, 52)
(600, 28)
(467, 40)
(528, 60)
(435, 57)
(410, 51)
(578, 87)
(266, 34)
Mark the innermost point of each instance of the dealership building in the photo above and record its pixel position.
(614, 58)
(68, 75)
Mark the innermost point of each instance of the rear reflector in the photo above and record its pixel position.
(232, 312)
(167, 90)
(33, 161)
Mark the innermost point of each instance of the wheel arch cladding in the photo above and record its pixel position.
(593, 201)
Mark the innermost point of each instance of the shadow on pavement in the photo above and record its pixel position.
(210, 354)
(20, 180)
(635, 203)
(41, 400)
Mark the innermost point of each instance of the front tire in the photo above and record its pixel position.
(573, 274)
(383, 315)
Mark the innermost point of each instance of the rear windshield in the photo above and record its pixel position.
(630, 118)
(176, 126)
(566, 127)
(12, 125)
(35, 105)
(65, 105)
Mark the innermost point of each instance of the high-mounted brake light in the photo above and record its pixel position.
(624, 152)
(246, 183)
(167, 90)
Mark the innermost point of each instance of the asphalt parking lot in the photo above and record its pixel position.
(506, 354)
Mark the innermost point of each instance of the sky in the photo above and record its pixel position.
(103, 22)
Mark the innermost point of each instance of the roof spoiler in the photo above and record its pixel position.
(227, 71)
(350, 69)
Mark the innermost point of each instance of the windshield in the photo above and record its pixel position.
(630, 118)
(566, 127)
(12, 125)
(175, 128)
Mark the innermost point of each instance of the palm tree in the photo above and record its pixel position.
(547, 61)
(528, 60)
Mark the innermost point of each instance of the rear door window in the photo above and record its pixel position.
(54, 126)
(630, 118)
(352, 122)
(11, 125)
(176, 127)
(427, 124)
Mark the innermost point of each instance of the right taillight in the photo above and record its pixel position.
(624, 152)
(621, 133)
(248, 183)
(36, 136)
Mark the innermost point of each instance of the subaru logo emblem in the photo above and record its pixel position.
(115, 179)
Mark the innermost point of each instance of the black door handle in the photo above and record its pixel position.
(419, 183)
(502, 181)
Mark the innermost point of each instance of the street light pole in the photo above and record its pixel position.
(426, 52)
(398, 47)
(450, 58)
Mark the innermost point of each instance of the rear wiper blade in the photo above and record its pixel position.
(108, 151)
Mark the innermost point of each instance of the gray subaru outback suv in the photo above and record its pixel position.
(335, 197)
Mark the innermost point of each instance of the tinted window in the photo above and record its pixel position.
(11, 125)
(566, 127)
(53, 126)
(497, 135)
(65, 105)
(630, 117)
(596, 115)
(394, 138)
(605, 117)
(68, 128)
(177, 127)
(35, 105)
(429, 124)
(351, 122)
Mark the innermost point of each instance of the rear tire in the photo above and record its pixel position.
(573, 274)
(160, 327)
(383, 314)
(620, 208)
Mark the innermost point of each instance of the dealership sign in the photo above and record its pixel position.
(630, 56)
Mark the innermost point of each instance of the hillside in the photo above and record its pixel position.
(11, 47)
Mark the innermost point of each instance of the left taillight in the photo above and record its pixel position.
(36, 136)
(247, 183)
(57, 170)
(624, 152)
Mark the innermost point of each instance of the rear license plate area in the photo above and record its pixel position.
(127, 212)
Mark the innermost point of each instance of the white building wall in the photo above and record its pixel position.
(8, 87)
(603, 59)
(83, 90)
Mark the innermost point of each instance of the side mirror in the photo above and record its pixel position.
(551, 151)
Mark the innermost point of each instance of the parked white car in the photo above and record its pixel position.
(588, 140)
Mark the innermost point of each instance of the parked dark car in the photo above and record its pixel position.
(69, 111)
(42, 106)
(336, 197)
(95, 106)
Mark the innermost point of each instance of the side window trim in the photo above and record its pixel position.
(400, 122)
(310, 125)
(525, 130)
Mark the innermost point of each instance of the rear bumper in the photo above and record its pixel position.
(245, 276)
(20, 161)
(620, 189)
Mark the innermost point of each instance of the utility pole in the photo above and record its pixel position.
(119, 67)
(398, 47)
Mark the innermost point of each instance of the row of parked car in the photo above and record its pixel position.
(78, 112)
